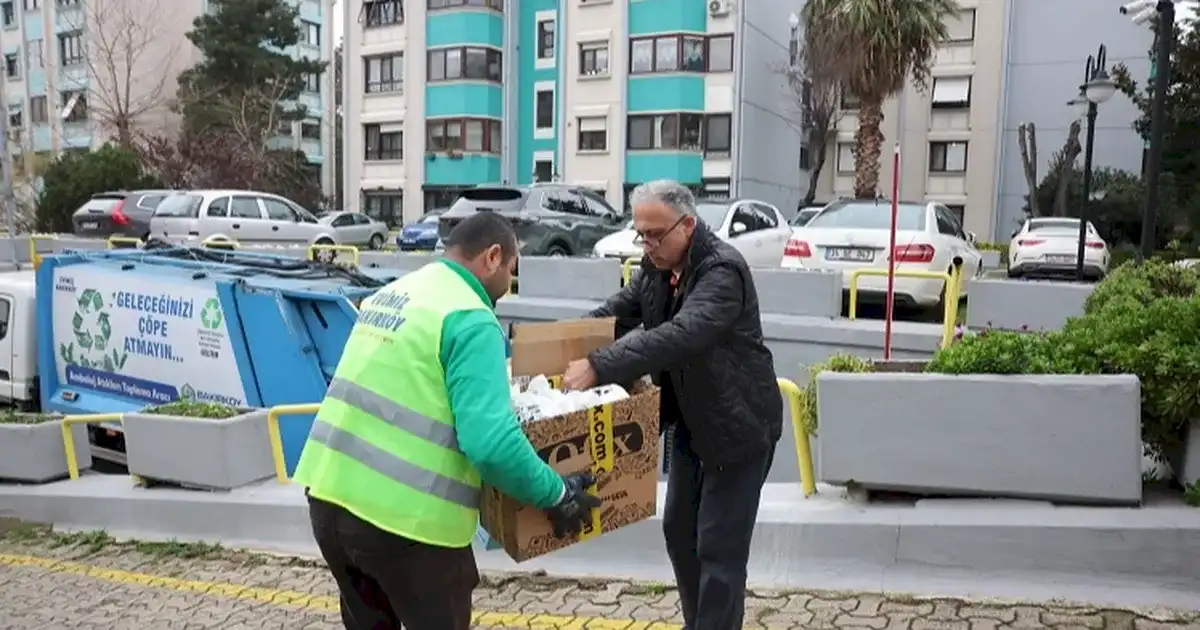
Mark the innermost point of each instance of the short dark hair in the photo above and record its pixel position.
(480, 231)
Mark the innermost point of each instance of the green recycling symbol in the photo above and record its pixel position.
(93, 331)
(210, 315)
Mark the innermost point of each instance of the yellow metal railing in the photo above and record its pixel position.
(627, 270)
(313, 249)
(69, 437)
(808, 478)
(273, 416)
(951, 278)
(227, 244)
(34, 256)
(117, 242)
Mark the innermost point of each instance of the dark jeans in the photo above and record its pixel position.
(386, 580)
(708, 521)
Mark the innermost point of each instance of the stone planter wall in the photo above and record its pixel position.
(1025, 304)
(992, 259)
(34, 453)
(1061, 438)
(199, 452)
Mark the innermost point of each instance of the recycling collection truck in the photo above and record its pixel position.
(119, 330)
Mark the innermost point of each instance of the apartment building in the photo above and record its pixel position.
(65, 61)
(442, 95)
(1006, 62)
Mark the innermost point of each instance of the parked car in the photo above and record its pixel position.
(804, 216)
(855, 234)
(422, 234)
(356, 229)
(550, 219)
(755, 228)
(246, 216)
(1048, 247)
(118, 213)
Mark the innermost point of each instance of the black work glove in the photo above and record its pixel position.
(575, 509)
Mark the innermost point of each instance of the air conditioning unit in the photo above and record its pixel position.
(720, 8)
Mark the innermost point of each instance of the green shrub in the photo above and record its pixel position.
(808, 392)
(996, 352)
(1138, 283)
(189, 408)
(72, 178)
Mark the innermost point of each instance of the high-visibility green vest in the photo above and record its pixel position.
(383, 445)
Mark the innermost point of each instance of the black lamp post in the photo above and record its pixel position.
(1097, 87)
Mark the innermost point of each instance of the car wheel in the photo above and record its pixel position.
(376, 242)
(557, 251)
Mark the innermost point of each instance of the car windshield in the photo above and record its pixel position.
(179, 206)
(805, 216)
(712, 213)
(870, 216)
(432, 217)
(1054, 225)
(102, 203)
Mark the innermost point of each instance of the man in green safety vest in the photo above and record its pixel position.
(418, 415)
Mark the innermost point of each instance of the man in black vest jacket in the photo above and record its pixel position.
(721, 409)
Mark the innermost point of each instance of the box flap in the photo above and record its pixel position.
(547, 348)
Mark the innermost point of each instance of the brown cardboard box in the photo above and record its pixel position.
(618, 441)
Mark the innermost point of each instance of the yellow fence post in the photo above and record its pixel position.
(273, 415)
(900, 273)
(220, 243)
(953, 295)
(808, 478)
(627, 270)
(34, 256)
(116, 242)
(69, 437)
(313, 249)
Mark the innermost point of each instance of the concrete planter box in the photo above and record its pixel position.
(199, 452)
(1060, 437)
(991, 259)
(1186, 463)
(34, 453)
(1025, 304)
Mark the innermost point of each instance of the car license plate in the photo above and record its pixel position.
(850, 254)
(1060, 259)
(89, 225)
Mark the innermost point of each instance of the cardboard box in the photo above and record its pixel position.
(617, 441)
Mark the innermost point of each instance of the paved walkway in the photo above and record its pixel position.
(91, 582)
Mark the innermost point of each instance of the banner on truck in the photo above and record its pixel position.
(144, 339)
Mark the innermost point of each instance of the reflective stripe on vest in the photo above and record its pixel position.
(396, 415)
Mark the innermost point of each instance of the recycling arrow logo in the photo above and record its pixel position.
(92, 330)
(210, 315)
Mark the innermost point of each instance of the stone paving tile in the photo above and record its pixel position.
(89, 582)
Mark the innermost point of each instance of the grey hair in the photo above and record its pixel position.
(668, 192)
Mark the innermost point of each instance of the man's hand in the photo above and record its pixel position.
(575, 509)
(579, 375)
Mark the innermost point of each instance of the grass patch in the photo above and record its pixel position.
(194, 409)
(11, 416)
(96, 542)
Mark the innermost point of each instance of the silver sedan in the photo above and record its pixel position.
(357, 229)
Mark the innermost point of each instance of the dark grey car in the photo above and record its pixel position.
(119, 213)
(550, 219)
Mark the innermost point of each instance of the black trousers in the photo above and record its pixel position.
(388, 582)
(708, 521)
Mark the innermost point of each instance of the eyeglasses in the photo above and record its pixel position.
(656, 240)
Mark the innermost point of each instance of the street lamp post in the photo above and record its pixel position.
(1143, 11)
(1097, 87)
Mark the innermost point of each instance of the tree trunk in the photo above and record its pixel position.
(1027, 142)
(868, 146)
(1066, 169)
(814, 174)
(125, 135)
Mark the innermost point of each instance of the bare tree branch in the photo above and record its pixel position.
(815, 97)
(130, 62)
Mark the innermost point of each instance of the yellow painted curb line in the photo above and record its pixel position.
(277, 597)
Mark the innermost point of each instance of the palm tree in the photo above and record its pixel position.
(879, 45)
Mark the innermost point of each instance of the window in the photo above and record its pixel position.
(312, 82)
(961, 27)
(477, 135)
(543, 171)
(244, 208)
(495, 5)
(947, 157)
(218, 208)
(384, 142)
(720, 53)
(16, 116)
(849, 101)
(593, 59)
(5, 317)
(32, 5)
(666, 54)
(12, 65)
(9, 14)
(278, 211)
(691, 128)
(593, 133)
(70, 48)
(545, 39)
(951, 92)
(310, 129)
(717, 132)
(33, 54)
(311, 32)
(384, 74)
(383, 12)
(544, 109)
(77, 103)
(385, 205)
(945, 224)
(454, 64)
(805, 159)
(958, 210)
(37, 109)
(845, 157)
(692, 54)
(641, 55)
(66, 3)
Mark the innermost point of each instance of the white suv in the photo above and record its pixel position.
(246, 216)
